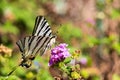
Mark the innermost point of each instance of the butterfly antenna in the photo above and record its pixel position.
(13, 70)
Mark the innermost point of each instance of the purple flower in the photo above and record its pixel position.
(91, 21)
(58, 54)
(83, 60)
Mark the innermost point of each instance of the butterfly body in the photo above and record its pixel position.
(26, 63)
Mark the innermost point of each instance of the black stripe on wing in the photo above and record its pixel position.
(46, 45)
(31, 45)
(20, 45)
(41, 27)
(23, 45)
(40, 45)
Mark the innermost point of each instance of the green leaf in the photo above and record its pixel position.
(10, 28)
(84, 73)
(116, 46)
(115, 14)
(67, 60)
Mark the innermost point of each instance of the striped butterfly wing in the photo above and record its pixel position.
(41, 27)
(38, 43)
(30, 46)
(23, 45)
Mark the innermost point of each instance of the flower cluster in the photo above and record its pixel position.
(63, 62)
(58, 54)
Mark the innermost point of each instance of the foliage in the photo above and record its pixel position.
(21, 73)
(14, 13)
(67, 31)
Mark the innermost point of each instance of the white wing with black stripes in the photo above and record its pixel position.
(30, 46)
(41, 27)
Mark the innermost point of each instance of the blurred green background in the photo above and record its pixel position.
(91, 26)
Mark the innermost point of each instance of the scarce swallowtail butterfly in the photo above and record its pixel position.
(41, 39)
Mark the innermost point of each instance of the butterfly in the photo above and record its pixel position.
(40, 40)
